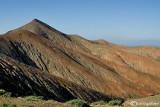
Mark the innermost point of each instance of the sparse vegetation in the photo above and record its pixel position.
(28, 101)
(114, 102)
(5, 104)
(7, 94)
(12, 105)
(78, 103)
(49, 102)
(33, 98)
(2, 91)
(98, 103)
(30, 106)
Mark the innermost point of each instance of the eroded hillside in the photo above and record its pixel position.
(89, 70)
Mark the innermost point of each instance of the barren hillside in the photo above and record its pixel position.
(38, 59)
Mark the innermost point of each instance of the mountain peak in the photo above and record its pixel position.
(40, 22)
(35, 23)
(35, 20)
(40, 28)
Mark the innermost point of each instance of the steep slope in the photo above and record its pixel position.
(51, 57)
(24, 80)
(147, 51)
(127, 64)
(96, 65)
(46, 31)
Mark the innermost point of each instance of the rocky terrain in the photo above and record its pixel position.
(37, 59)
(151, 101)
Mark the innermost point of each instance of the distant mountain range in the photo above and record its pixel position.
(37, 59)
(132, 43)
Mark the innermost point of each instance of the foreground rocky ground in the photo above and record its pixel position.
(32, 101)
(22, 102)
(7, 100)
(152, 101)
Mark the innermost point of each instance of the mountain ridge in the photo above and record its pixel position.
(114, 71)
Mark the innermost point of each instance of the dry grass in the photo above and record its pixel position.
(154, 99)
(22, 102)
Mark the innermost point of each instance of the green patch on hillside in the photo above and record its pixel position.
(78, 103)
(29, 101)
(114, 102)
(33, 98)
(98, 103)
(2, 91)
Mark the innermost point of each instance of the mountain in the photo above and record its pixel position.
(38, 59)
(131, 43)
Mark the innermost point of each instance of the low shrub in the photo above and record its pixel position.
(4, 104)
(2, 91)
(7, 94)
(78, 103)
(12, 105)
(30, 106)
(98, 103)
(33, 98)
(40, 97)
(114, 102)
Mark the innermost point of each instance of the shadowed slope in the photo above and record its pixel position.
(26, 80)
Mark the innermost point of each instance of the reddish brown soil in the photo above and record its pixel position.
(110, 70)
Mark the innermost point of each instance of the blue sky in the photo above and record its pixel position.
(116, 21)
